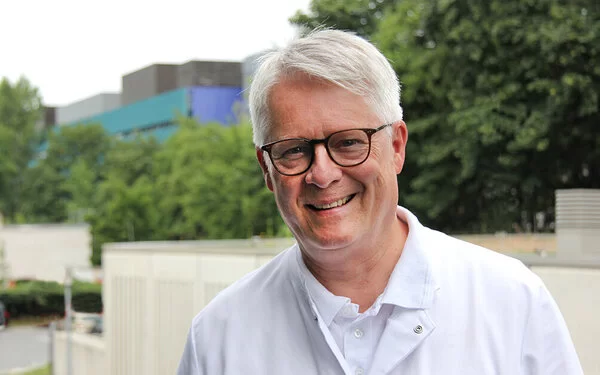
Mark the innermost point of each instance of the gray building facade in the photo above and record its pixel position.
(209, 73)
(85, 108)
(149, 81)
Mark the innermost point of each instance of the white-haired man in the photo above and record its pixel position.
(367, 289)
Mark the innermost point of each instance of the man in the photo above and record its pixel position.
(367, 289)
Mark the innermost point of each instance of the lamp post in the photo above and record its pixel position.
(68, 318)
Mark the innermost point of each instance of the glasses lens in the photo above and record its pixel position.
(349, 147)
(291, 156)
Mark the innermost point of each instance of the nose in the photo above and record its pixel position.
(323, 171)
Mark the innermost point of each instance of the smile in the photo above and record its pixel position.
(328, 206)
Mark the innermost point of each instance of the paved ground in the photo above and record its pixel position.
(22, 347)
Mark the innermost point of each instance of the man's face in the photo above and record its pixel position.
(366, 194)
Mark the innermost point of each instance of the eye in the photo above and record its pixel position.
(348, 142)
(292, 152)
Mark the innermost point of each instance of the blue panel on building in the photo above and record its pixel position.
(160, 109)
(215, 104)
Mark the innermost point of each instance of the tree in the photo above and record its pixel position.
(203, 182)
(361, 16)
(505, 96)
(212, 184)
(20, 109)
(125, 201)
(61, 185)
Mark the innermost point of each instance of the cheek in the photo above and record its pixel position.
(286, 191)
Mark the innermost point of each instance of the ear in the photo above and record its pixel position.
(399, 138)
(260, 155)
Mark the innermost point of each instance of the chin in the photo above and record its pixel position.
(329, 241)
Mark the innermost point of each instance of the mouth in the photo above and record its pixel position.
(329, 206)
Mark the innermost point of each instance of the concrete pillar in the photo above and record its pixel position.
(578, 223)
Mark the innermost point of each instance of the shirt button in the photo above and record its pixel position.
(359, 371)
(358, 333)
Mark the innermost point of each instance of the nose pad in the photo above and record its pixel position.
(323, 170)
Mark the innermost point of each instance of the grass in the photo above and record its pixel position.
(45, 370)
(33, 321)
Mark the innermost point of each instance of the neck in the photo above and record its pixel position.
(363, 272)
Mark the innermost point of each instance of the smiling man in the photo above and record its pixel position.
(367, 289)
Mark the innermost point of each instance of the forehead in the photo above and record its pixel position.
(313, 108)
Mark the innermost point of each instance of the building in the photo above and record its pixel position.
(88, 107)
(154, 97)
(43, 251)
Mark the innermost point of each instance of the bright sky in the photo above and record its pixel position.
(73, 49)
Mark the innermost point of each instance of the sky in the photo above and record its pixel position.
(74, 49)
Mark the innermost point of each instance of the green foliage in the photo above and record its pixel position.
(361, 16)
(44, 370)
(125, 204)
(39, 298)
(204, 182)
(61, 186)
(212, 185)
(20, 109)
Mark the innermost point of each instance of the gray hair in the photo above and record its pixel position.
(339, 57)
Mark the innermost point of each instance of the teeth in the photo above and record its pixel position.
(337, 203)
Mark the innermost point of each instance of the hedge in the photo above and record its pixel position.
(43, 298)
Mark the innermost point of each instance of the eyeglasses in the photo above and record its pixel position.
(347, 148)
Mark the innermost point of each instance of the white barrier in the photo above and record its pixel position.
(89, 354)
(577, 293)
(153, 290)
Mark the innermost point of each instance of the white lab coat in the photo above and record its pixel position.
(479, 312)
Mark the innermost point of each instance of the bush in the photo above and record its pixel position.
(42, 298)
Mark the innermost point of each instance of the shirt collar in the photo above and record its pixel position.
(411, 284)
(326, 302)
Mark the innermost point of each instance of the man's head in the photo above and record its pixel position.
(341, 58)
(333, 189)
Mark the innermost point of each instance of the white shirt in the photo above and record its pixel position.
(355, 334)
(455, 308)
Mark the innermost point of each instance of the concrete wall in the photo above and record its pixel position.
(209, 73)
(148, 82)
(44, 251)
(577, 293)
(514, 243)
(85, 108)
(153, 290)
(578, 222)
(88, 353)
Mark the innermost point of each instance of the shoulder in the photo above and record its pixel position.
(452, 260)
(455, 259)
(249, 297)
(236, 326)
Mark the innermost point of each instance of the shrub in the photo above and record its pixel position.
(42, 298)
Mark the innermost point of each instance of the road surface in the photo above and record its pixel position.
(23, 347)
